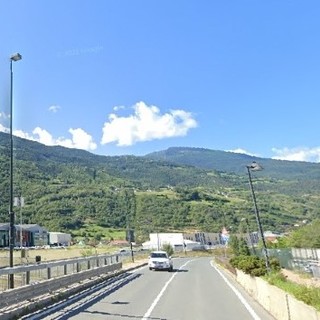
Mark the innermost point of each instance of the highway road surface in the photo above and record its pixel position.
(195, 290)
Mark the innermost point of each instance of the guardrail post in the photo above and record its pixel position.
(28, 277)
(78, 267)
(65, 269)
(49, 273)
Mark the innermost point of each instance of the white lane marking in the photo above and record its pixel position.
(237, 293)
(156, 300)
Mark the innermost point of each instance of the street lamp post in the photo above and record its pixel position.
(13, 58)
(256, 167)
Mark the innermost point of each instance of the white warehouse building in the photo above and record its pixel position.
(59, 239)
(176, 240)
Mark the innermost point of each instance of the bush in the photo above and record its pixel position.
(238, 246)
(274, 264)
(252, 265)
(168, 249)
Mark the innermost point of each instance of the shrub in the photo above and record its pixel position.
(168, 249)
(238, 246)
(274, 264)
(252, 265)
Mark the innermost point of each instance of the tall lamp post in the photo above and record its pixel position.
(254, 166)
(13, 58)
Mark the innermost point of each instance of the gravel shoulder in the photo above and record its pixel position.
(301, 278)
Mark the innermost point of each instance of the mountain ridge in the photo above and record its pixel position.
(175, 189)
(231, 162)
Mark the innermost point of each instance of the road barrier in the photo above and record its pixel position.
(41, 279)
(33, 273)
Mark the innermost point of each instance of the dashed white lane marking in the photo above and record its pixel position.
(238, 294)
(156, 300)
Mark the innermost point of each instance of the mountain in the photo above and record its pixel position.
(236, 163)
(176, 189)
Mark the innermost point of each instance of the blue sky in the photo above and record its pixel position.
(133, 77)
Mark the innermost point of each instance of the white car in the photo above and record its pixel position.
(159, 260)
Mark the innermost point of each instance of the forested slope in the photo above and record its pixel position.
(67, 188)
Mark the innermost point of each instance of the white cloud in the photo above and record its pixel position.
(3, 129)
(80, 139)
(43, 136)
(117, 108)
(242, 151)
(297, 154)
(3, 115)
(147, 123)
(3, 119)
(24, 135)
(54, 108)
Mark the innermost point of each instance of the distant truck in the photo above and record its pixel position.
(59, 239)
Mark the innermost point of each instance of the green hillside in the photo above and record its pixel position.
(236, 163)
(65, 189)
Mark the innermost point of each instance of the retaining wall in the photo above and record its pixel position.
(278, 303)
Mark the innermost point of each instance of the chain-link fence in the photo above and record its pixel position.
(299, 259)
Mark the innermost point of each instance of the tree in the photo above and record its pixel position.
(307, 236)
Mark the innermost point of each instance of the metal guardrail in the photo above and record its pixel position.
(29, 293)
(33, 273)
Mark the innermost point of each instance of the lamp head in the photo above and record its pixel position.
(254, 166)
(16, 57)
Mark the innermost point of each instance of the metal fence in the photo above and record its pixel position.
(299, 259)
(34, 273)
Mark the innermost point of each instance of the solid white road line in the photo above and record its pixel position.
(238, 294)
(156, 300)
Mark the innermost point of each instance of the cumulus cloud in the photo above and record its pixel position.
(297, 154)
(117, 108)
(54, 108)
(242, 151)
(80, 139)
(3, 119)
(3, 129)
(145, 124)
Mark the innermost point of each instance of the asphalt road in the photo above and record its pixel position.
(195, 290)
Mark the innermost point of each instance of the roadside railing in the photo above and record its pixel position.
(34, 273)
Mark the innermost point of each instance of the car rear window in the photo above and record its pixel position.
(158, 255)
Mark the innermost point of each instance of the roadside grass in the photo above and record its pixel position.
(308, 295)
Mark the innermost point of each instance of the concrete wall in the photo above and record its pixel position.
(280, 304)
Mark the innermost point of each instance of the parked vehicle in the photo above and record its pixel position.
(159, 260)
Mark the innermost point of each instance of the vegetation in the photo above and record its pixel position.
(88, 195)
(307, 236)
(309, 295)
(168, 249)
(249, 264)
(256, 267)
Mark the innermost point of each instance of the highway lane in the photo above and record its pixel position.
(196, 290)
